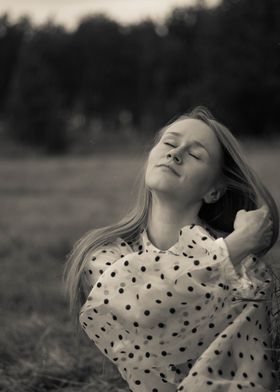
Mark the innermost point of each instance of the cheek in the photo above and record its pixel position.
(153, 159)
(201, 177)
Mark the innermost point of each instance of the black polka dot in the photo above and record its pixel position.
(143, 269)
(169, 294)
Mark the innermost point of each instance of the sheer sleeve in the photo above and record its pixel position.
(239, 356)
(251, 274)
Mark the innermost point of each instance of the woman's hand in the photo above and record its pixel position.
(255, 226)
(252, 233)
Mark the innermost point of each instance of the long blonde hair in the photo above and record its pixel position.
(244, 191)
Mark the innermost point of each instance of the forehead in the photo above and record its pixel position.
(191, 130)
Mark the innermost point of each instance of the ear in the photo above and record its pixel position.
(214, 194)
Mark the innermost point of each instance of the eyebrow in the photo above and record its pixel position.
(195, 142)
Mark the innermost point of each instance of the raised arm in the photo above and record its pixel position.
(252, 233)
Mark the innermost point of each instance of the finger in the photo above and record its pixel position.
(265, 212)
(268, 219)
(264, 208)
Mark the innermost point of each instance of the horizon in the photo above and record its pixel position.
(69, 12)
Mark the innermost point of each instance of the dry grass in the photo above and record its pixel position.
(47, 204)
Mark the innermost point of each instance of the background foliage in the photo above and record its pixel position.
(58, 87)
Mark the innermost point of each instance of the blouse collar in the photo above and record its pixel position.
(184, 233)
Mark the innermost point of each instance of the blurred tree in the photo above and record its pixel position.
(144, 45)
(243, 37)
(35, 103)
(99, 41)
(11, 38)
(225, 57)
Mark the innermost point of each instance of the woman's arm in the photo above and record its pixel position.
(252, 233)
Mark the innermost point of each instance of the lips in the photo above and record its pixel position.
(171, 168)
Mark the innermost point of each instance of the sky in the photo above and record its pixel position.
(69, 12)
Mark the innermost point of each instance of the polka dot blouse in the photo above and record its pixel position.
(173, 320)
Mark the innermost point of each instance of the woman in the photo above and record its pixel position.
(177, 294)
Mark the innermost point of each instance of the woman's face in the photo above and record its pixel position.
(196, 157)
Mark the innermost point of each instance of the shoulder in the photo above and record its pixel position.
(115, 248)
(100, 257)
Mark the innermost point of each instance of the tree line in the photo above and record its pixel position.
(56, 84)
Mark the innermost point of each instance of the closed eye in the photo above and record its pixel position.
(194, 156)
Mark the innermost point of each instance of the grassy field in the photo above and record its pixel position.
(47, 204)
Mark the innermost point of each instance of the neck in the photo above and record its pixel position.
(166, 219)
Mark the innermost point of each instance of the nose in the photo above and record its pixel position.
(174, 155)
